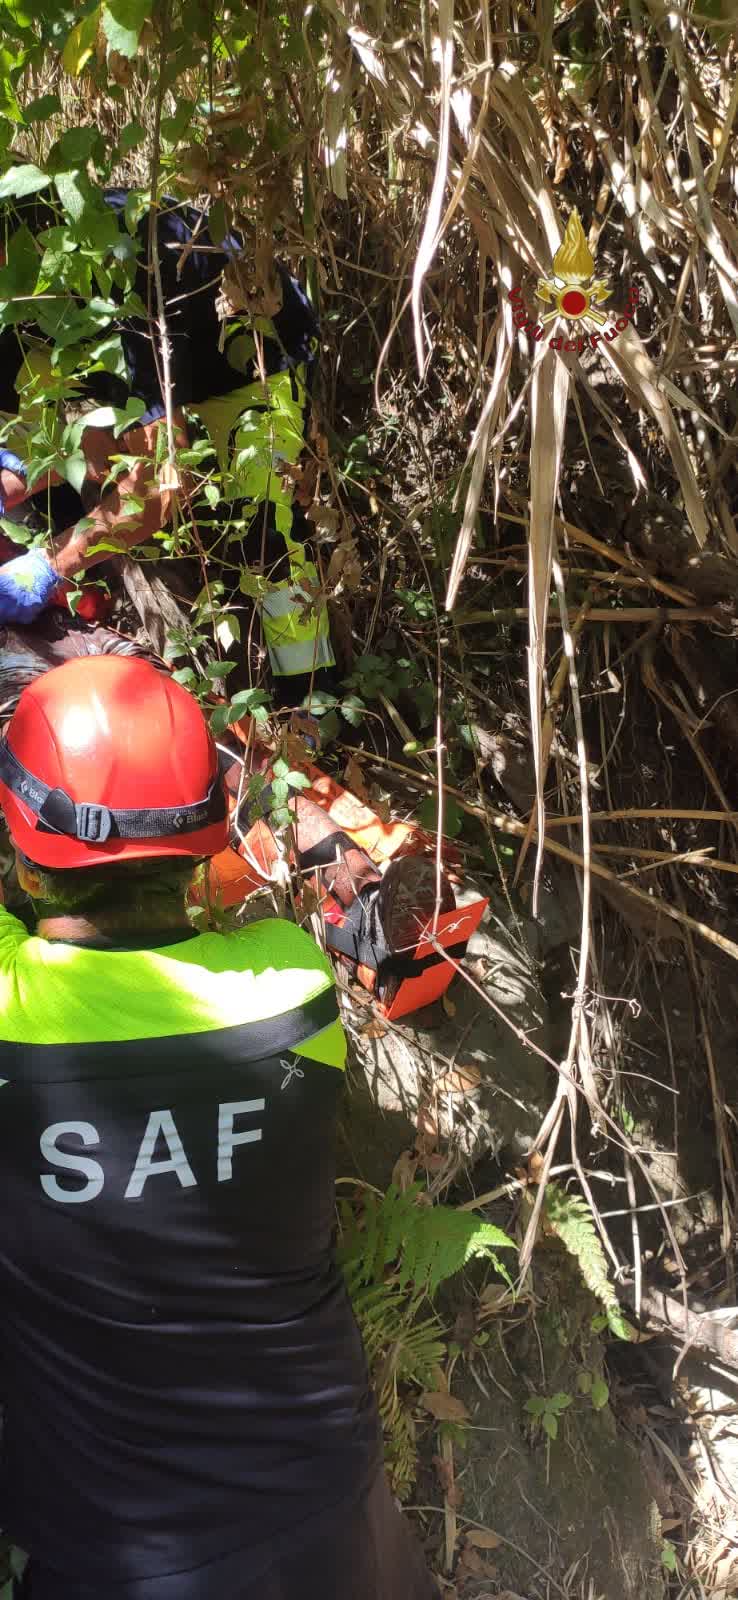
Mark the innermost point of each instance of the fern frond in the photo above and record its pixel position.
(425, 1244)
(570, 1219)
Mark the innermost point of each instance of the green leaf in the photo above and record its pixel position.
(280, 791)
(184, 675)
(330, 727)
(74, 191)
(452, 821)
(281, 817)
(618, 1325)
(40, 110)
(584, 1383)
(298, 780)
(19, 181)
(550, 1424)
(132, 410)
(318, 702)
(353, 710)
(668, 1556)
(559, 1402)
(75, 471)
(137, 204)
(10, 65)
(600, 1394)
(249, 701)
(220, 719)
(215, 670)
(131, 137)
(80, 45)
(20, 275)
(122, 22)
(103, 548)
(108, 354)
(280, 768)
(73, 150)
(253, 584)
(173, 128)
(536, 1405)
(228, 631)
(101, 417)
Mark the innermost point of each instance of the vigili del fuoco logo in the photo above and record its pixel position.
(574, 295)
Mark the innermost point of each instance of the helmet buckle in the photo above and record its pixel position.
(94, 824)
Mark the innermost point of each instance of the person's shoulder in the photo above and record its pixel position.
(13, 932)
(275, 943)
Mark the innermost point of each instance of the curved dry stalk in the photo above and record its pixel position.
(550, 393)
(505, 824)
(431, 233)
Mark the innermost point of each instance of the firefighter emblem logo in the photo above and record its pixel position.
(574, 295)
(574, 292)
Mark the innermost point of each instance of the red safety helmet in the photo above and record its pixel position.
(106, 759)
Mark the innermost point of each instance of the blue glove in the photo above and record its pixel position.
(26, 585)
(9, 462)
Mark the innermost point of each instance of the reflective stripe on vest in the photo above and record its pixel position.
(297, 640)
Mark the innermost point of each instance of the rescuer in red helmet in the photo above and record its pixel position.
(187, 1411)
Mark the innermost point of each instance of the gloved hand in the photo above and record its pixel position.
(9, 462)
(26, 585)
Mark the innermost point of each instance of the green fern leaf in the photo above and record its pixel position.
(421, 1245)
(570, 1219)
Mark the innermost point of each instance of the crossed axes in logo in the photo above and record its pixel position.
(581, 308)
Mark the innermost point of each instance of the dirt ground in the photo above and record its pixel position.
(595, 1513)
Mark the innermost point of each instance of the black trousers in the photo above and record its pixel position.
(360, 1551)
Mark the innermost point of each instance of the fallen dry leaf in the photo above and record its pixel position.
(353, 777)
(444, 1407)
(472, 1564)
(326, 520)
(169, 478)
(293, 749)
(470, 1561)
(373, 1030)
(483, 1538)
(496, 1296)
(404, 1170)
(531, 1172)
(463, 1080)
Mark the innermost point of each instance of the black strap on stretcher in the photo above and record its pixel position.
(362, 936)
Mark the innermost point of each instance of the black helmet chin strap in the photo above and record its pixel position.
(57, 812)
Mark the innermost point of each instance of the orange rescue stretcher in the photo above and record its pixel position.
(401, 980)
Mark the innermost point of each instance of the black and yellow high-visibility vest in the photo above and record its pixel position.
(180, 1366)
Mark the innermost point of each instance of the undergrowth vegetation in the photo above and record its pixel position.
(396, 1250)
(528, 542)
